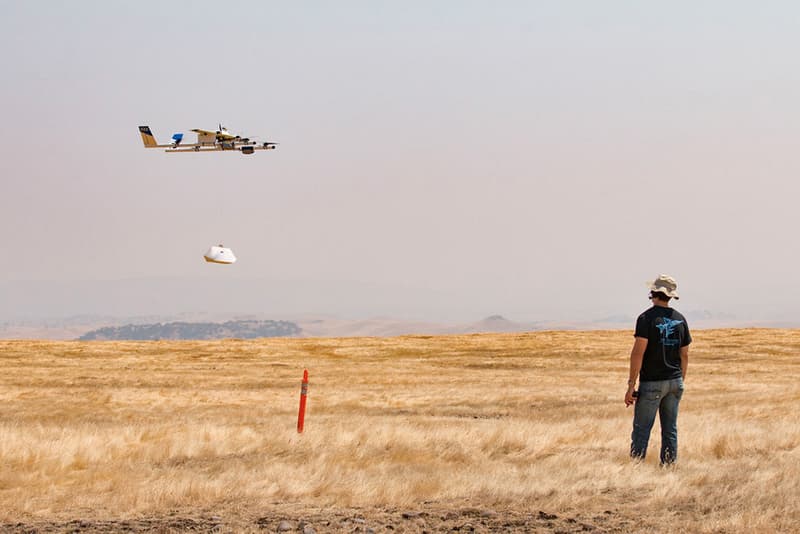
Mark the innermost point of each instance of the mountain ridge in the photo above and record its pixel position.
(243, 329)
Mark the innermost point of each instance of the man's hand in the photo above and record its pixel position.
(629, 398)
(637, 354)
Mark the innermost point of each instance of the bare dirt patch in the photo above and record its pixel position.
(375, 520)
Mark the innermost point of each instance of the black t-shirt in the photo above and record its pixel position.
(666, 332)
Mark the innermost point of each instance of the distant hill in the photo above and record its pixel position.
(248, 329)
(498, 323)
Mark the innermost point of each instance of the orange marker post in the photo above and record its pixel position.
(301, 416)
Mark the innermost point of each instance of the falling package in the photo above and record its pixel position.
(220, 254)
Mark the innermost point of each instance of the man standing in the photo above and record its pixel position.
(659, 360)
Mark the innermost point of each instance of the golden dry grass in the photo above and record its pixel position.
(513, 422)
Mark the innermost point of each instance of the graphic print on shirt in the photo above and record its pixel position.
(667, 329)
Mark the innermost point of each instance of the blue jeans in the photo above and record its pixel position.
(662, 396)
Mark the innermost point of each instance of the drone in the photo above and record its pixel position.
(207, 141)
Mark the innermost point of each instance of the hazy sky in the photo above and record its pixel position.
(534, 159)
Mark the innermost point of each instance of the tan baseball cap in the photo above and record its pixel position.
(664, 284)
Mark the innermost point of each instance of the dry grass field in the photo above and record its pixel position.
(511, 432)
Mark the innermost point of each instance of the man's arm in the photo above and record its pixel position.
(684, 360)
(637, 353)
